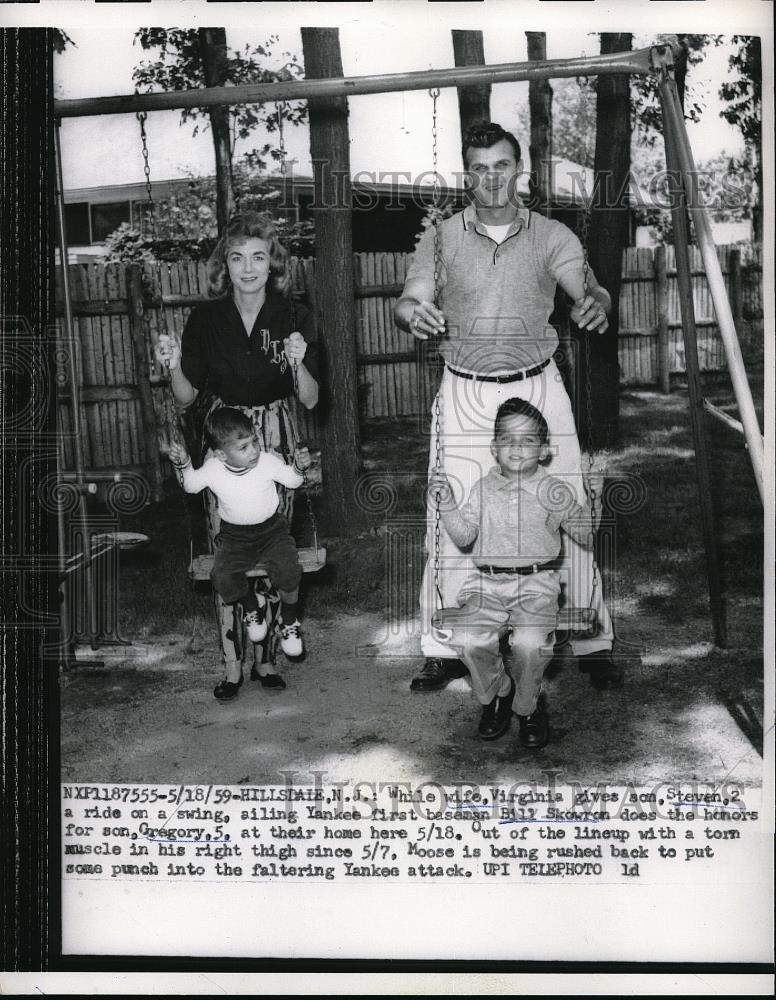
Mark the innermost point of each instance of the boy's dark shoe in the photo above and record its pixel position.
(497, 715)
(535, 728)
(228, 690)
(604, 672)
(437, 673)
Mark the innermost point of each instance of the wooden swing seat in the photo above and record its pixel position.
(310, 559)
(570, 619)
(577, 620)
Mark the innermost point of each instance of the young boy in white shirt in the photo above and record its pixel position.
(243, 478)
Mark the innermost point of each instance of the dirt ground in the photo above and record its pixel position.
(150, 716)
(687, 711)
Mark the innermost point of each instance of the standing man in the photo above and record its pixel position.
(497, 265)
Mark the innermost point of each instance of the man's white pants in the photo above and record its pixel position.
(467, 414)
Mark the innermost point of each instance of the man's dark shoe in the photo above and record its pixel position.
(535, 728)
(497, 715)
(604, 672)
(436, 674)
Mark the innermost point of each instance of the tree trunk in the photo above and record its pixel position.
(540, 106)
(334, 291)
(607, 238)
(757, 146)
(473, 101)
(29, 593)
(757, 208)
(212, 48)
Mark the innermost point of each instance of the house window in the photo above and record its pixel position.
(77, 223)
(108, 217)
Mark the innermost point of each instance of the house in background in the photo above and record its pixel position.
(724, 233)
(387, 216)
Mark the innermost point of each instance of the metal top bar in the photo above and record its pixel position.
(639, 62)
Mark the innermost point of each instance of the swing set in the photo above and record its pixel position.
(655, 60)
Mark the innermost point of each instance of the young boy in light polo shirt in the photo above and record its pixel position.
(511, 522)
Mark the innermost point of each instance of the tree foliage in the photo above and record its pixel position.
(647, 116)
(729, 186)
(573, 119)
(60, 40)
(744, 94)
(574, 104)
(186, 221)
(179, 66)
(726, 186)
(744, 109)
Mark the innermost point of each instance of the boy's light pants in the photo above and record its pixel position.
(532, 604)
(467, 414)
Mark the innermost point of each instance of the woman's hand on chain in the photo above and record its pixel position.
(295, 347)
(426, 320)
(168, 351)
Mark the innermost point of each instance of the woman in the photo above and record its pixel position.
(250, 347)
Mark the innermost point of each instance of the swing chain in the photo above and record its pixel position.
(281, 137)
(436, 211)
(170, 412)
(436, 190)
(305, 482)
(141, 118)
(168, 400)
(590, 485)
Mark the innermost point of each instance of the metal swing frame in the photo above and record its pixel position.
(653, 60)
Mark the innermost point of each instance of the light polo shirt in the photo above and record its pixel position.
(497, 297)
(245, 496)
(517, 522)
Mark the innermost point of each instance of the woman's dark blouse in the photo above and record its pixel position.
(218, 356)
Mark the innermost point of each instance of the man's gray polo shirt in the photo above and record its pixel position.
(497, 297)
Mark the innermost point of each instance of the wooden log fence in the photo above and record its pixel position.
(120, 310)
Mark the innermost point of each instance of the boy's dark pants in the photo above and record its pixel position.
(238, 547)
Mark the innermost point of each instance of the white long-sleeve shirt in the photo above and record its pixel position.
(245, 496)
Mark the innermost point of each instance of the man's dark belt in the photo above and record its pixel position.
(511, 377)
(522, 570)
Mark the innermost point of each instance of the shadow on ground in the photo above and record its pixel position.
(688, 710)
(351, 717)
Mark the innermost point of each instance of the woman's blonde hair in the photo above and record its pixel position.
(242, 227)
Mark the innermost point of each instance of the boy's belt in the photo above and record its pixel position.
(511, 377)
(522, 570)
